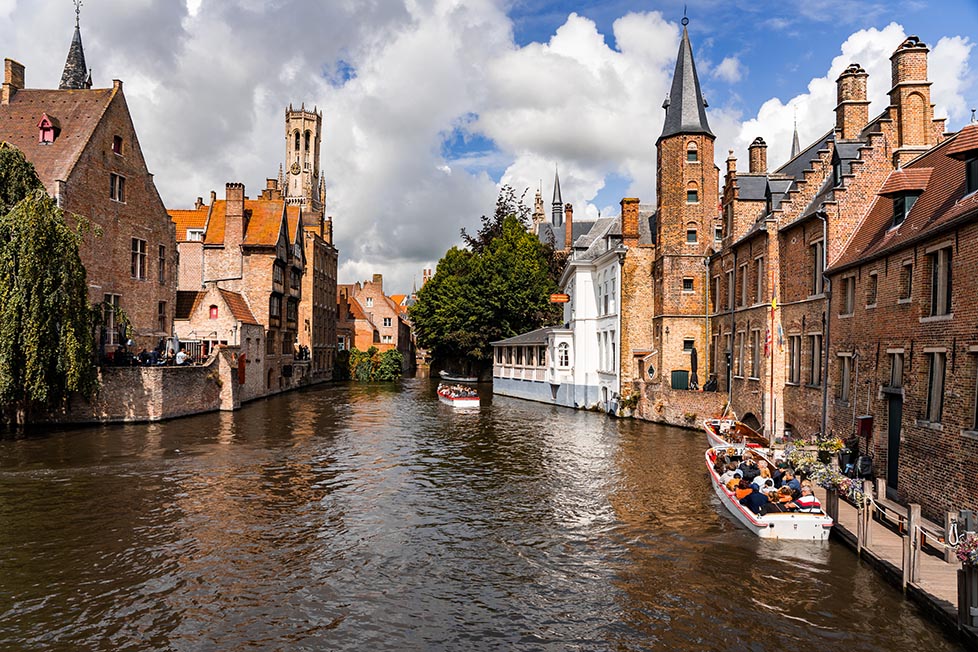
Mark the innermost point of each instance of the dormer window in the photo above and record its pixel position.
(836, 172)
(971, 175)
(48, 129)
(901, 207)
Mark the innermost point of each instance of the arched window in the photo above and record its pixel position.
(297, 140)
(563, 354)
(213, 312)
(692, 193)
(691, 237)
(692, 154)
(308, 139)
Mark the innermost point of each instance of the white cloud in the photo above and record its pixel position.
(729, 70)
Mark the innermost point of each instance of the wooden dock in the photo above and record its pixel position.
(926, 577)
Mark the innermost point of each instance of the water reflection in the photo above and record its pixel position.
(374, 517)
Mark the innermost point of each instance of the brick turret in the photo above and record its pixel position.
(852, 110)
(910, 104)
(758, 156)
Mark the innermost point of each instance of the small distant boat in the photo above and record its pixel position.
(811, 526)
(457, 396)
(729, 432)
(457, 379)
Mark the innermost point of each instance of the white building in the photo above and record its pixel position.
(574, 365)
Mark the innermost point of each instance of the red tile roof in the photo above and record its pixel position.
(186, 302)
(77, 111)
(942, 205)
(965, 141)
(188, 219)
(215, 224)
(264, 222)
(239, 307)
(906, 179)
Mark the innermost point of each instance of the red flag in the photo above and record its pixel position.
(767, 343)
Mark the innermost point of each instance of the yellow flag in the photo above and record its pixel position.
(774, 303)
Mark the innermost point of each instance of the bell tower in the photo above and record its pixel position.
(303, 181)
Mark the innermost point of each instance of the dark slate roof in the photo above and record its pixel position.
(847, 153)
(646, 223)
(539, 336)
(580, 228)
(75, 75)
(685, 108)
(752, 187)
(599, 229)
(779, 188)
(796, 166)
(557, 199)
(795, 146)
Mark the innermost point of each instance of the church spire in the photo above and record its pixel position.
(557, 207)
(685, 106)
(795, 146)
(76, 75)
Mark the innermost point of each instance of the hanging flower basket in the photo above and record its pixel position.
(967, 550)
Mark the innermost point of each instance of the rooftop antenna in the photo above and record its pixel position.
(973, 115)
(685, 20)
(78, 6)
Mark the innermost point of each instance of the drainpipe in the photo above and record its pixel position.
(732, 295)
(827, 326)
(706, 318)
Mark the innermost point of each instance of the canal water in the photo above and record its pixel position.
(376, 518)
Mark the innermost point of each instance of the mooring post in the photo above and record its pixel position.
(949, 518)
(867, 515)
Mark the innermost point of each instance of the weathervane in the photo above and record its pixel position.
(78, 6)
(685, 20)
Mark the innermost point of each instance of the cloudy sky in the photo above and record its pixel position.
(429, 105)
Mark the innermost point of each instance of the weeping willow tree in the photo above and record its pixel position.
(46, 344)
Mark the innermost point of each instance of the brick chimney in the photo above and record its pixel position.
(234, 215)
(13, 80)
(199, 203)
(758, 156)
(731, 163)
(328, 232)
(852, 110)
(629, 221)
(910, 101)
(568, 226)
(378, 279)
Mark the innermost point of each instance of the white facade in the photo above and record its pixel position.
(581, 365)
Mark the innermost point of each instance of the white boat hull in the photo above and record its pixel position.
(785, 525)
(460, 402)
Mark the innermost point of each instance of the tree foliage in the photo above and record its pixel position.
(368, 366)
(46, 336)
(499, 287)
(17, 177)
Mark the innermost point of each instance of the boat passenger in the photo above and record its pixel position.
(749, 468)
(729, 471)
(777, 501)
(767, 487)
(754, 501)
(789, 480)
(807, 502)
(743, 490)
(733, 483)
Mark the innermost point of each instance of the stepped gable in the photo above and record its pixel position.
(941, 206)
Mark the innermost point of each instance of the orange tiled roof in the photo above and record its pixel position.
(906, 179)
(215, 224)
(264, 223)
(188, 219)
(941, 205)
(239, 307)
(77, 111)
(965, 141)
(398, 299)
(186, 302)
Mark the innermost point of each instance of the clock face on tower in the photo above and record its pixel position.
(295, 169)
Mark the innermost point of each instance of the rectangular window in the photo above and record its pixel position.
(292, 311)
(138, 259)
(716, 292)
(691, 236)
(761, 280)
(388, 321)
(278, 275)
(509, 355)
(755, 354)
(848, 295)
(614, 356)
(896, 369)
(275, 307)
(519, 355)
(794, 359)
(110, 306)
(730, 289)
(940, 283)
(935, 386)
(872, 287)
(162, 265)
(288, 338)
(117, 145)
(691, 154)
(743, 285)
(815, 366)
(845, 377)
(195, 235)
(692, 197)
(818, 266)
(270, 343)
(687, 284)
(117, 188)
(901, 207)
(614, 292)
(906, 281)
(387, 339)
(688, 345)
(971, 176)
(717, 233)
(370, 302)
(542, 356)
(161, 317)
(740, 354)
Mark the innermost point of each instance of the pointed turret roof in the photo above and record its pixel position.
(75, 75)
(685, 107)
(557, 199)
(795, 146)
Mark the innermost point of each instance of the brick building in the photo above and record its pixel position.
(368, 317)
(904, 325)
(252, 249)
(84, 146)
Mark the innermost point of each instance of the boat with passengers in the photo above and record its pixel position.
(458, 396)
(730, 432)
(793, 520)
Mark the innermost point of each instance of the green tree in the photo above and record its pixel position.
(498, 288)
(389, 366)
(17, 177)
(46, 322)
(368, 366)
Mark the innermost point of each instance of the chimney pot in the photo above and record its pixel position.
(758, 156)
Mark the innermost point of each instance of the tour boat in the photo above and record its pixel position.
(728, 432)
(808, 526)
(458, 397)
(457, 379)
